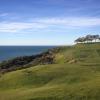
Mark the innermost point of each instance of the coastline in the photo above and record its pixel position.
(11, 52)
(21, 62)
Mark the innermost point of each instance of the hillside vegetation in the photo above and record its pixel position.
(73, 75)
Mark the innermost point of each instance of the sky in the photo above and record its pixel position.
(47, 22)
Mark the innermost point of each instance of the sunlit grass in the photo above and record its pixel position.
(60, 81)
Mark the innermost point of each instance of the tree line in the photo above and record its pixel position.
(88, 39)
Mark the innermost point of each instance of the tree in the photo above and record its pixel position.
(95, 37)
(88, 38)
(80, 40)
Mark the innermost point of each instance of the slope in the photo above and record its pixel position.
(74, 76)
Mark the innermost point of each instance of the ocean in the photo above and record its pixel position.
(10, 52)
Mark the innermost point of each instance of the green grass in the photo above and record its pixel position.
(60, 81)
(85, 53)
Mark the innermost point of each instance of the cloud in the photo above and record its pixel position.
(75, 22)
(18, 26)
(49, 23)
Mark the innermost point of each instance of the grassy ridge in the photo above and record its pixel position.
(79, 53)
(74, 76)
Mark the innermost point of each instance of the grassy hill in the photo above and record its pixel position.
(75, 75)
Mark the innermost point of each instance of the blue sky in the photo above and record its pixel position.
(47, 22)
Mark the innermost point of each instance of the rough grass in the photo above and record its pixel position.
(60, 81)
